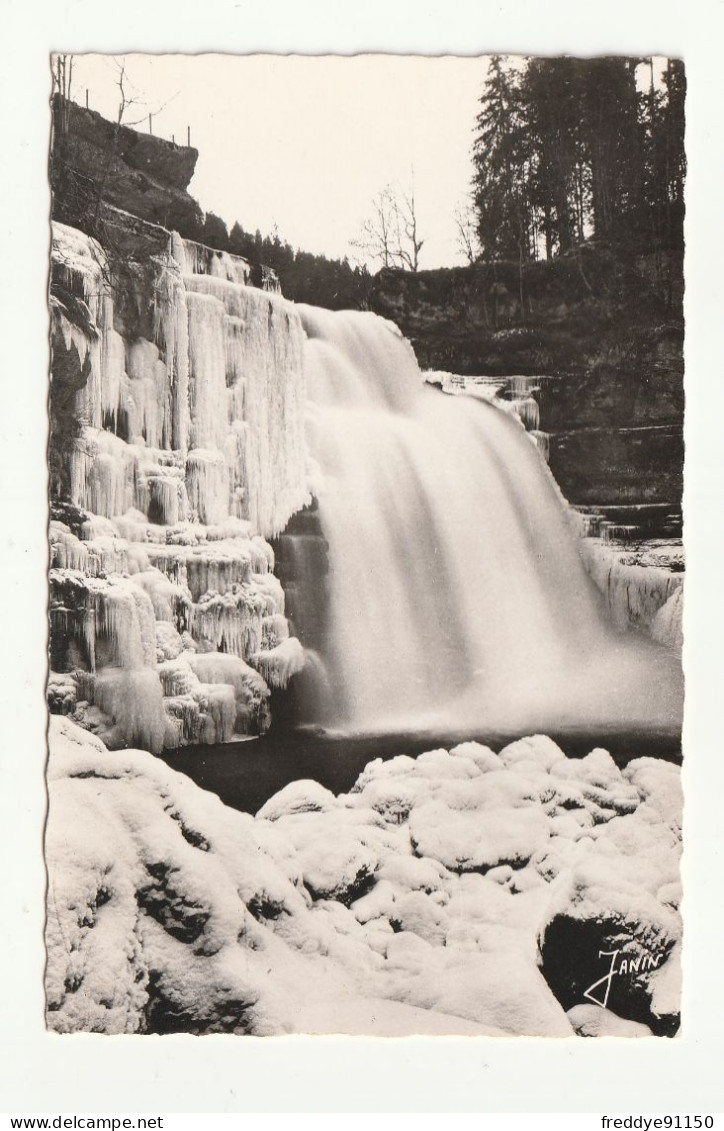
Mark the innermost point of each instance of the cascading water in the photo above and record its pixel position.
(457, 595)
(437, 586)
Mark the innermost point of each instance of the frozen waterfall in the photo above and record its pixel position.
(458, 597)
(177, 447)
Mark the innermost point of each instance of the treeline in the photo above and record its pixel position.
(571, 150)
(304, 277)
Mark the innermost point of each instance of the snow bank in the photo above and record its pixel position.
(427, 900)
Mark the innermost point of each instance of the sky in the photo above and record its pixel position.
(305, 143)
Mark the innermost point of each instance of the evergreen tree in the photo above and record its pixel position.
(567, 149)
(674, 171)
(551, 96)
(214, 233)
(499, 156)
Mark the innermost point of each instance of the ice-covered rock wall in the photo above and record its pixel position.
(638, 594)
(177, 448)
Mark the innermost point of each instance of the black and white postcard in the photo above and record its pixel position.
(369, 603)
(367, 574)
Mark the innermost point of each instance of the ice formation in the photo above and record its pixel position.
(646, 596)
(440, 895)
(185, 451)
(203, 422)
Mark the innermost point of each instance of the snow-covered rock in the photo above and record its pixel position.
(593, 1021)
(473, 904)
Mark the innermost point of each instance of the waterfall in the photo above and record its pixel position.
(437, 582)
(457, 594)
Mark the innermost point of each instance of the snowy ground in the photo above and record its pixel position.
(433, 898)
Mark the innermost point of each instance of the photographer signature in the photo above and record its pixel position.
(629, 965)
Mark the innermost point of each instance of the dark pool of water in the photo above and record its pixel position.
(246, 774)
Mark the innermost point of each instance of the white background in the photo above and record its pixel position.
(47, 1073)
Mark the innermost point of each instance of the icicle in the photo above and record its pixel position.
(148, 404)
(230, 622)
(616, 532)
(197, 259)
(113, 374)
(168, 601)
(106, 555)
(250, 689)
(526, 408)
(279, 664)
(167, 497)
(123, 616)
(542, 441)
(217, 568)
(263, 368)
(219, 711)
(103, 473)
(523, 387)
(133, 700)
(207, 485)
(275, 629)
(634, 594)
(207, 370)
(666, 626)
(262, 560)
(172, 333)
(177, 678)
(66, 551)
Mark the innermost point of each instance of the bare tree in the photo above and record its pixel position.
(128, 99)
(63, 74)
(125, 100)
(407, 244)
(375, 240)
(467, 230)
(390, 236)
(62, 69)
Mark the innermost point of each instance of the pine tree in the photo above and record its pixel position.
(570, 148)
(551, 96)
(613, 143)
(499, 157)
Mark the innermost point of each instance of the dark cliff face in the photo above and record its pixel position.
(95, 162)
(609, 333)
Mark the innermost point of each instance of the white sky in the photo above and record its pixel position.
(307, 142)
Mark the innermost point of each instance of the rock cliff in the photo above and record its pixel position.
(95, 161)
(608, 334)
